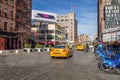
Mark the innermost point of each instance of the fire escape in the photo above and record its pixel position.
(23, 20)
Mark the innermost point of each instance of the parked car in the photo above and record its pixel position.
(61, 51)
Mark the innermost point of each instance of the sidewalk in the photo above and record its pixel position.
(10, 52)
(21, 51)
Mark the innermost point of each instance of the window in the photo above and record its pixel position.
(17, 15)
(100, 0)
(11, 27)
(114, 7)
(111, 7)
(109, 11)
(118, 1)
(12, 2)
(5, 26)
(5, 12)
(117, 7)
(6, 1)
(62, 20)
(115, 15)
(66, 19)
(106, 11)
(106, 7)
(50, 31)
(117, 23)
(11, 14)
(111, 15)
(17, 27)
(71, 37)
(66, 26)
(0, 23)
(0, 10)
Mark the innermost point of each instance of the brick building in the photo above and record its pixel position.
(15, 22)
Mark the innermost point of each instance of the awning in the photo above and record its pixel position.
(49, 42)
(42, 42)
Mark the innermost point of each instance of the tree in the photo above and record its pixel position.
(58, 27)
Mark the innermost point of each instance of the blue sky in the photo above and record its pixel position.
(86, 12)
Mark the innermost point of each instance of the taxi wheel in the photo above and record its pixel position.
(71, 55)
(52, 57)
(67, 57)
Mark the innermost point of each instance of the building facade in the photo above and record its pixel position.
(69, 23)
(15, 22)
(112, 22)
(101, 21)
(115, 1)
(49, 34)
(84, 38)
(45, 29)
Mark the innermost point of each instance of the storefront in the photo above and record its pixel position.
(9, 41)
(2, 43)
(48, 42)
(111, 36)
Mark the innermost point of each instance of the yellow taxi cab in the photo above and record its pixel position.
(80, 47)
(61, 51)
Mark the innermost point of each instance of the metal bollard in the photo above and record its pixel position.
(28, 50)
(16, 51)
(39, 50)
(48, 49)
(0, 51)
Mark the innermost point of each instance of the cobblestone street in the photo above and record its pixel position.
(39, 66)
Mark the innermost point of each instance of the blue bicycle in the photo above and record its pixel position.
(108, 60)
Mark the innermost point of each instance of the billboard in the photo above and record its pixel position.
(43, 16)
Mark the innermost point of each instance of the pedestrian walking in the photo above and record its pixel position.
(87, 48)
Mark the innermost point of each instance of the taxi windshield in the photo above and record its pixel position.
(79, 45)
(59, 46)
